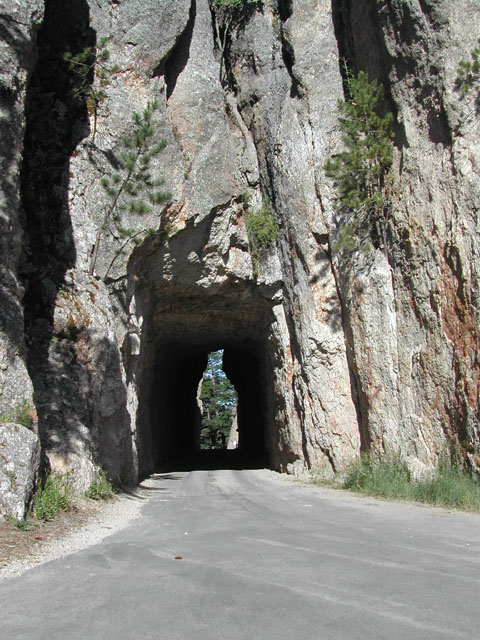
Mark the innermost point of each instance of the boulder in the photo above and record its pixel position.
(19, 463)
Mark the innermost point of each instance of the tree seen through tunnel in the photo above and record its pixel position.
(218, 402)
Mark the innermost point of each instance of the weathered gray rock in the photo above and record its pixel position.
(413, 345)
(233, 435)
(329, 356)
(19, 463)
(18, 24)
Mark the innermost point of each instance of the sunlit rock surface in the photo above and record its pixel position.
(330, 356)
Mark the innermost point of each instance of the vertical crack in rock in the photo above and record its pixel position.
(285, 9)
(178, 58)
(288, 54)
(341, 36)
(361, 45)
(373, 39)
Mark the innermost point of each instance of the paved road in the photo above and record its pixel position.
(262, 559)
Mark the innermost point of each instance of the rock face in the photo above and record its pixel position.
(19, 463)
(329, 356)
(416, 363)
(18, 25)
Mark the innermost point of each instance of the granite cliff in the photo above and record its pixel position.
(331, 355)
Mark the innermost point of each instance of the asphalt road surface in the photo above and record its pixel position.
(258, 558)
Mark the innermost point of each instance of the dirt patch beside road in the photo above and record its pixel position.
(88, 523)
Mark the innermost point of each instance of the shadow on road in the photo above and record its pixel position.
(214, 459)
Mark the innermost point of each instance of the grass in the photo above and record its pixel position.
(54, 494)
(20, 524)
(101, 488)
(448, 486)
(20, 414)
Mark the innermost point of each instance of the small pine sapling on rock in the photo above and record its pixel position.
(93, 74)
(469, 71)
(132, 190)
(360, 170)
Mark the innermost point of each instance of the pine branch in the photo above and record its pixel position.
(129, 192)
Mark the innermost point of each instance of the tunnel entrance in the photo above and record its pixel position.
(176, 417)
(177, 338)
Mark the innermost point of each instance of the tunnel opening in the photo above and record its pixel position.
(184, 318)
(217, 399)
(175, 413)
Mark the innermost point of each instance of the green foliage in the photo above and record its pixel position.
(218, 400)
(234, 5)
(20, 414)
(262, 230)
(101, 488)
(390, 478)
(54, 493)
(132, 189)
(18, 524)
(89, 65)
(360, 170)
(469, 71)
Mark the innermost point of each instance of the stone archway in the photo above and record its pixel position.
(179, 338)
(197, 293)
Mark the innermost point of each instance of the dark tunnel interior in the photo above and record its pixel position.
(175, 417)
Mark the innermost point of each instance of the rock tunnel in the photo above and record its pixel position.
(174, 411)
(178, 338)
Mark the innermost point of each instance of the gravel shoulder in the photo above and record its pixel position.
(88, 523)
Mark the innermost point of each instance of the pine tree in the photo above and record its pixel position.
(132, 190)
(360, 170)
(218, 400)
(93, 74)
(469, 71)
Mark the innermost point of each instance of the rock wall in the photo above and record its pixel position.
(332, 356)
(19, 464)
(412, 323)
(18, 27)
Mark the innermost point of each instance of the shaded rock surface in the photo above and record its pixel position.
(18, 25)
(329, 355)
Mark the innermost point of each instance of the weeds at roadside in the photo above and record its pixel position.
(101, 488)
(448, 486)
(54, 493)
(20, 523)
